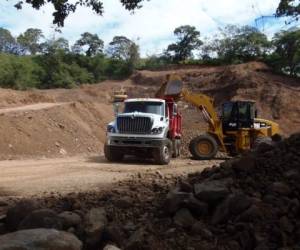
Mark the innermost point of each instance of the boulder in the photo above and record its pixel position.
(136, 240)
(244, 164)
(184, 218)
(41, 218)
(2, 228)
(280, 188)
(211, 191)
(239, 203)
(18, 212)
(200, 229)
(69, 219)
(253, 213)
(222, 212)
(197, 207)
(39, 239)
(174, 200)
(95, 222)
(111, 247)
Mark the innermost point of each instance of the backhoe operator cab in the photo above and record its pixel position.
(239, 114)
(147, 127)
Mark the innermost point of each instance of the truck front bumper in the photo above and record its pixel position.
(136, 142)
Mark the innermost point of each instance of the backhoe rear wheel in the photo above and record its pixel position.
(203, 147)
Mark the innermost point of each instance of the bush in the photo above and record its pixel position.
(18, 72)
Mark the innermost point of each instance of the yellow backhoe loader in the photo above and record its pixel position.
(236, 130)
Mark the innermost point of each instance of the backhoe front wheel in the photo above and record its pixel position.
(162, 155)
(203, 147)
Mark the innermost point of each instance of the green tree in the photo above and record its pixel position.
(53, 45)
(188, 39)
(7, 42)
(125, 49)
(237, 44)
(93, 43)
(287, 51)
(289, 8)
(62, 8)
(30, 40)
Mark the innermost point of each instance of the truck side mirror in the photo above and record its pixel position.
(116, 106)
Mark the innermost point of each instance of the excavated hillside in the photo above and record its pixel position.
(59, 122)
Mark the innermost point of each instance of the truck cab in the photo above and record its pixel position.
(147, 127)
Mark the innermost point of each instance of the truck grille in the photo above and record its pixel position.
(134, 125)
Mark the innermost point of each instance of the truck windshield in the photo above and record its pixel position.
(145, 107)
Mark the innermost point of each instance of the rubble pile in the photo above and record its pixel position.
(250, 202)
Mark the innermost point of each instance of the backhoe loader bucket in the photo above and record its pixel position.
(171, 88)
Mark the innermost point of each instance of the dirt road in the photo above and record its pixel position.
(78, 174)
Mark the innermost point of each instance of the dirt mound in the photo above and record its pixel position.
(277, 98)
(53, 130)
(273, 94)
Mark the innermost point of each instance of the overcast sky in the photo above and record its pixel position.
(151, 26)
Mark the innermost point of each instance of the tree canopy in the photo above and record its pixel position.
(30, 40)
(289, 8)
(237, 44)
(93, 43)
(64, 7)
(287, 51)
(188, 39)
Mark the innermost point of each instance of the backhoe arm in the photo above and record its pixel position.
(206, 106)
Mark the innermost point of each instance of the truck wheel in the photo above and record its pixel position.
(162, 155)
(112, 154)
(203, 147)
(176, 148)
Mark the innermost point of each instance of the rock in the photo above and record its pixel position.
(41, 218)
(69, 219)
(174, 200)
(160, 174)
(286, 225)
(136, 240)
(244, 164)
(251, 214)
(95, 222)
(111, 247)
(184, 218)
(62, 151)
(199, 229)
(292, 174)
(2, 228)
(211, 191)
(197, 207)
(222, 212)
(18, 212)
(123, 202)
(39, 239)
(280, 188)
(113, 233)
(239, 203)
(185, 187)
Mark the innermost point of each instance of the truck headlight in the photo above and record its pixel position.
(157, 131)
(111, 129)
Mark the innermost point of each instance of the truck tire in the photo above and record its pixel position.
(162, 155)
(203, 147)
(176, 148)
(112, 154)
